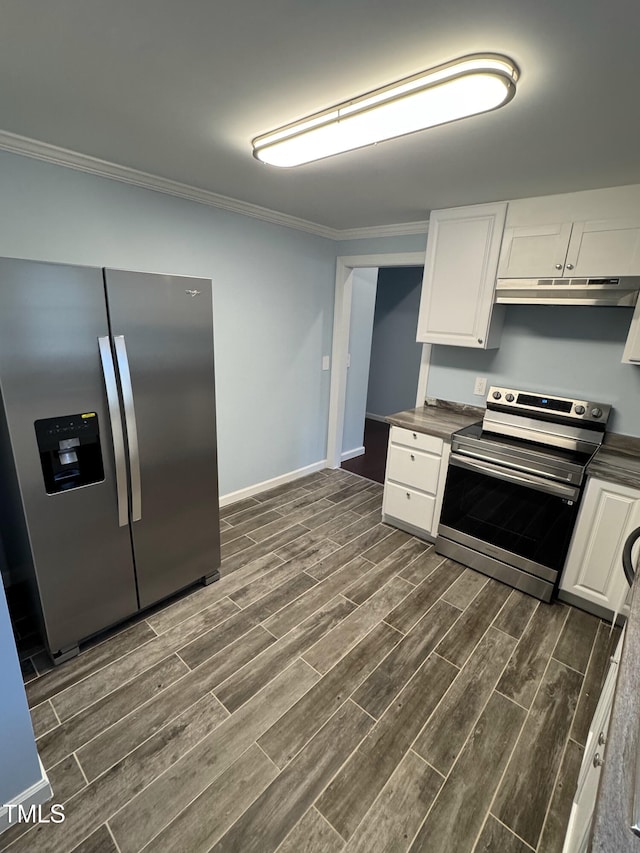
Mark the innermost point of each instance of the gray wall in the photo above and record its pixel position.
(363, 301)
(395, 355)
(567, 350)
(19, 766)
(273, 293)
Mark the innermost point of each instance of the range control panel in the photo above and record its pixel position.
(532, 402)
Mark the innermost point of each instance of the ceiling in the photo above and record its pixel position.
(178, 88)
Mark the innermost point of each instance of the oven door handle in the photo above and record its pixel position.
(539, 483)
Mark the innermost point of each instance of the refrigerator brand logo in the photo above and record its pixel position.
(193, 293)
(34, 814)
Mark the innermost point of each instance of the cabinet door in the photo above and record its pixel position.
(457, 304)
(631, 354)
(593, 571)
(604, 248)
(537, 251)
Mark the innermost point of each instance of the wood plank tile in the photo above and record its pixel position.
(399, 810)
(91, 660)
(525, 669)
(114, 743)
(465, 589)
(526, 789)
(377, 553)
(603, 647)
(297, 611)
(446, 732)
(237, 561)
(424, 596)
(77, 730)
(577, 638)
(304, 549)
(163, 800)
(209, 816)
(251, 524)
(114, 675)
(269, 819)
(354, 789)
(253, 676)
(423, 565)
(461, 641)
(390, 566)
(98, 801)
(312, 834)
(236, 546)
(333, 527)
(259, 587)
(209, 643)
(357, 528)
(249, 504)
(516, 613)
(202, 597)
(379, 689)
(555, 826)
(289, 734)
(43, 718)
(354, 548)
(458, 813)
(354, 487)
(374, 504)
(99, 841)
(496, 838)
(328, 651)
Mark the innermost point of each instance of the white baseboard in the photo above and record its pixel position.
(257, 488)
(36, 795)
(372, 417)
(351, 454)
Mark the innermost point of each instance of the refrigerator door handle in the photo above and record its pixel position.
(132, 429)
(117, 437)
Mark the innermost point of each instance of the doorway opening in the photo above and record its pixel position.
(378, 368)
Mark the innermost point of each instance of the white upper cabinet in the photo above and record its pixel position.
(593, 249)
(457, 304)
(537, 251)
(631, 354)
(605, 248)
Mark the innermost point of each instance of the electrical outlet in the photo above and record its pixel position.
(480, 386)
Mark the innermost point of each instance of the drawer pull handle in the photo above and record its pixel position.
(415, 435)
(408, 496)
(601, 739)
(597, 760)
(413, 458)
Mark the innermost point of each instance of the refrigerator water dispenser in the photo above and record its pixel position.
(70, 453)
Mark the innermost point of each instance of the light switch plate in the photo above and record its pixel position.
(325, 362)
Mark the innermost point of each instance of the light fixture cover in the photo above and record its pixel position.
(467, 86)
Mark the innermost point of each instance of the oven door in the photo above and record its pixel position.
(514, 517)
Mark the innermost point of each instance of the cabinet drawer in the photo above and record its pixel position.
(409, 506)
(419, 440)
(413, 467)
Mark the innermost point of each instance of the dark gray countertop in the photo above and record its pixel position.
(611, 833)
(441, 419)
(618, 461)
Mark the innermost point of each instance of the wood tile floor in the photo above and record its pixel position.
(341, 688)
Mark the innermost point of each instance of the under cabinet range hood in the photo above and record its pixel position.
(617, 290)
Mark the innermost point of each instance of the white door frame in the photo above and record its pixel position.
(345, 265)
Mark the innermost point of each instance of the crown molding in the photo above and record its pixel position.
(401, 229)
(26, 147)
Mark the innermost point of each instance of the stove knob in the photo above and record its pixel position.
(496, 395)
(596, 413)
(579, 410)
(510, 398)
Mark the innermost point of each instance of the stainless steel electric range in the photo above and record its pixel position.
(514, 484)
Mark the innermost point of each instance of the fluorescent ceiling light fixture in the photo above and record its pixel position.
(464, 87)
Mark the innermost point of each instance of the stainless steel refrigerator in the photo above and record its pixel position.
(108, 466)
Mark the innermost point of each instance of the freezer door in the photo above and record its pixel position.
(163, 337)
(58, 446)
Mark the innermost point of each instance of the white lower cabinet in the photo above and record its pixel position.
(414, 482)
(593, 571)
(581, 819)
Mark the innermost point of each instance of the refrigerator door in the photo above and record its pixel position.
(163, 338)
(58, 450)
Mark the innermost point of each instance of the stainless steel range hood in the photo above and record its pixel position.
(621, 290)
